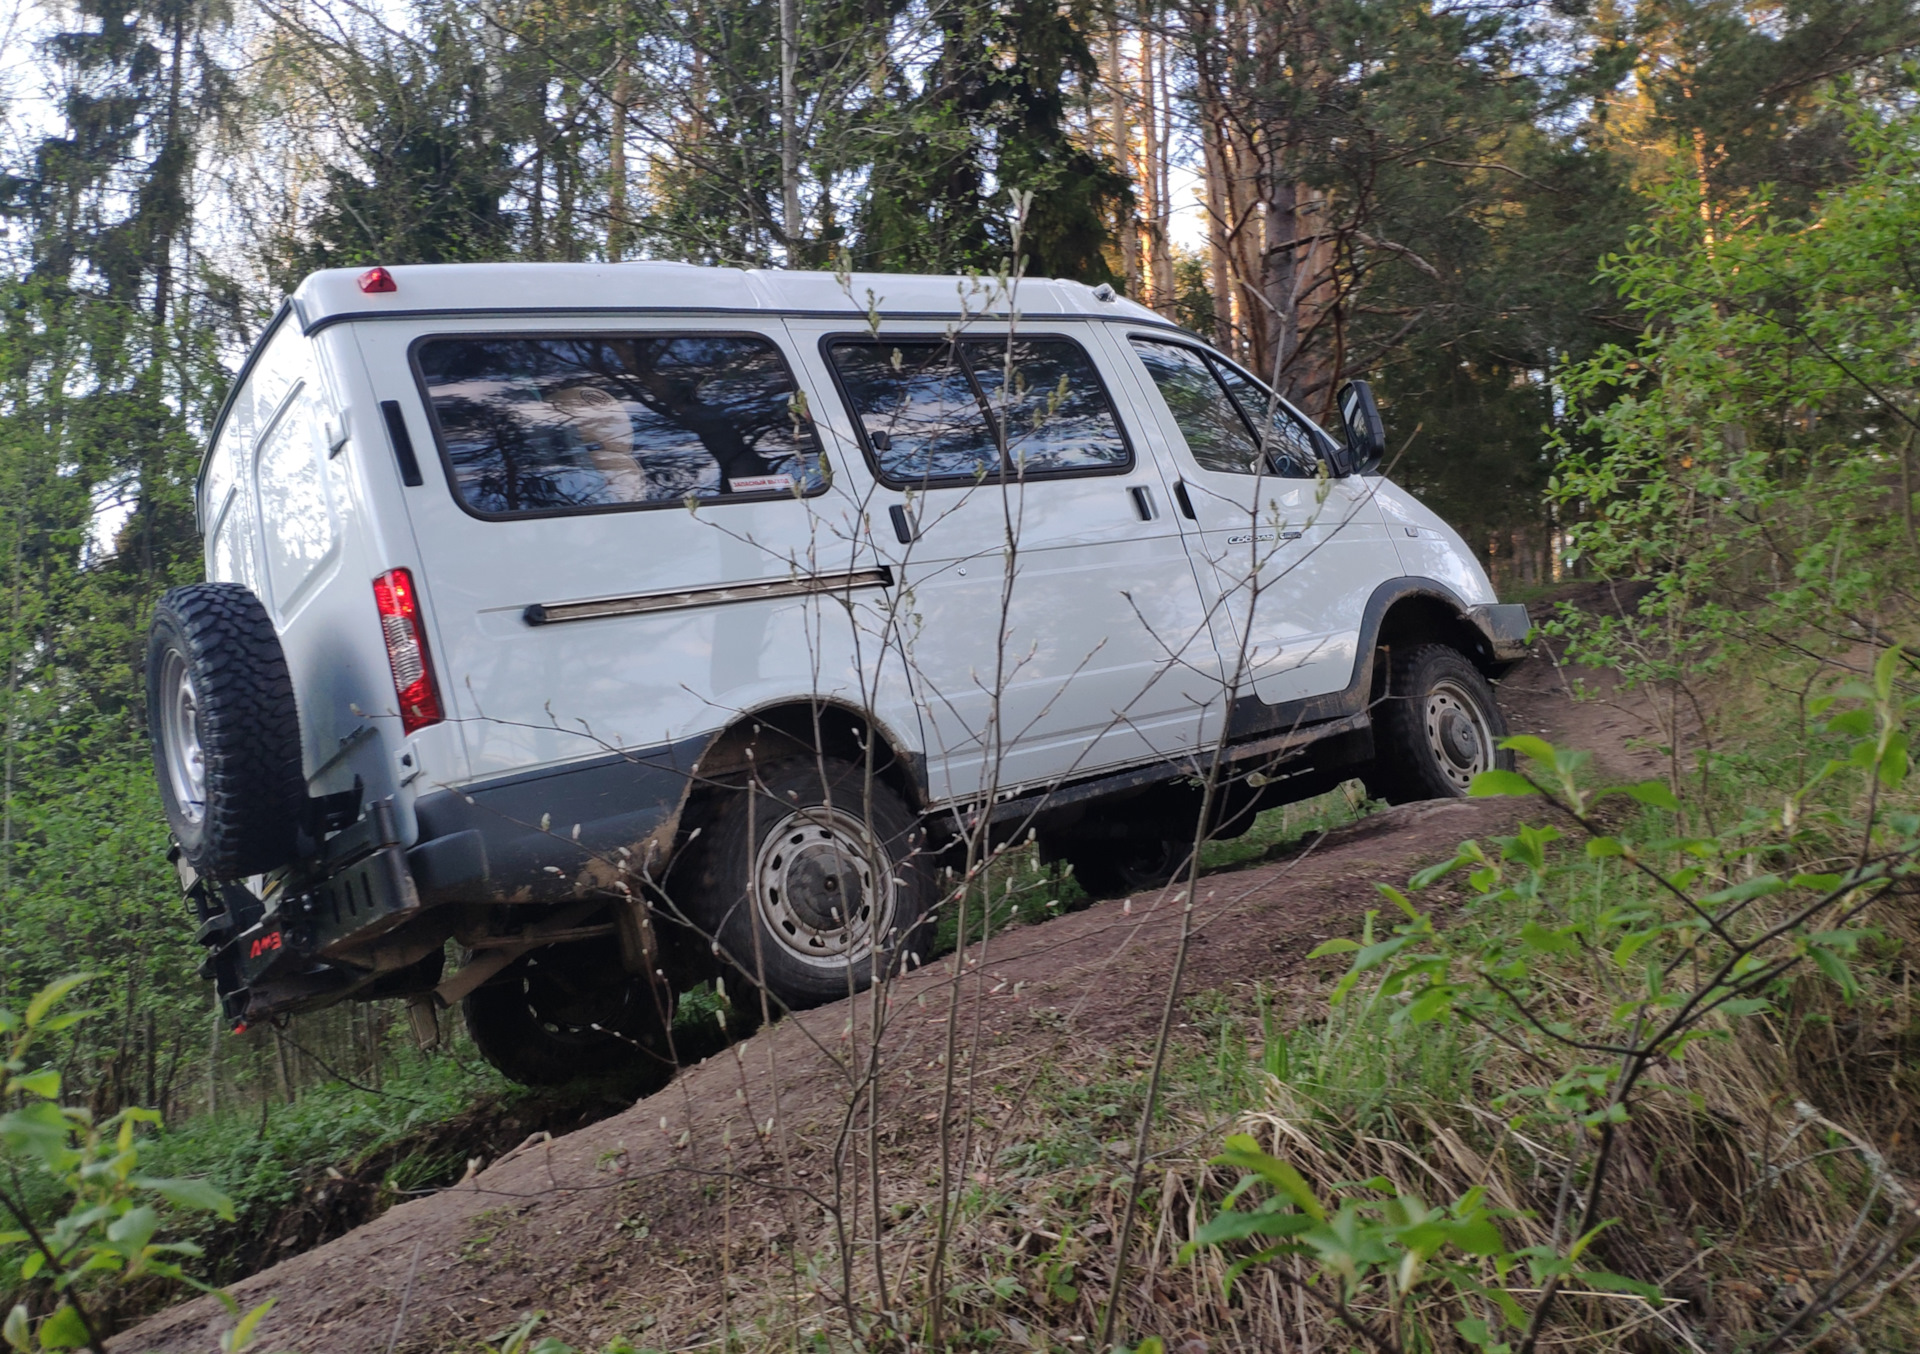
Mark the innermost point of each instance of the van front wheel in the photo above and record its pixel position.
(1436, 728)
(812, 882)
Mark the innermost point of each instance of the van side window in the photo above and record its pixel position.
(1217, 410)
(921, 413)
(298, 519)
(1289, 446)
(562, 424)
(1056, 414)
(930, 407)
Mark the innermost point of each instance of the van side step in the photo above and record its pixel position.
(1277, 747)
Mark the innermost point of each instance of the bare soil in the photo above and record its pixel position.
(599, 1226)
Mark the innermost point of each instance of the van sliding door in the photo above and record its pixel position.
(1049, 613)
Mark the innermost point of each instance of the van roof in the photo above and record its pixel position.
(334, 295)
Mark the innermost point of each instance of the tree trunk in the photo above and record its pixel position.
(163, 245)
(1123, 156)
(1159, 125)
(1213, 146)
(791, 225)
(617, 164)
(537, 203)
(13, 720)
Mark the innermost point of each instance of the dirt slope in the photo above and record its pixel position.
(593, 1226)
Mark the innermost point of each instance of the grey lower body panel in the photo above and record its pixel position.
(365, 905)
(1507, 626)
(531, 838)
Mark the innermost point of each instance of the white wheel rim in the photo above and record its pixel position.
(823, 888)
(181, 749)
(1457, 734)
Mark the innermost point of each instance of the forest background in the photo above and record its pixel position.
(1492, 209)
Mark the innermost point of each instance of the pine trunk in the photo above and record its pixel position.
(617, 165)
(1123, 157)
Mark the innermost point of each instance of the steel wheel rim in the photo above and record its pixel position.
(823, 888)
(1458, 734)
(183, 753)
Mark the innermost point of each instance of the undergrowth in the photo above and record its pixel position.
(1468, 1126)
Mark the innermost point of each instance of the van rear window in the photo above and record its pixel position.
(566, 424)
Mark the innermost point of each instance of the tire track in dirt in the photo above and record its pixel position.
(592, 1227)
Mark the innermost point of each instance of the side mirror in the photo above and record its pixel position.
(1366, 434)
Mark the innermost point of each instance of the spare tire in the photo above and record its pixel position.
(225, 730)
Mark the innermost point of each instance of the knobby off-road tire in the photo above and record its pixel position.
(1111, 869)
(570, 1012)
(814, 884)
(225, 730)
(1436, 729)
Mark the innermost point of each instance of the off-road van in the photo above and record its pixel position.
(601, 628)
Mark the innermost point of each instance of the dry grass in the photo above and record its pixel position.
(1769, 1162)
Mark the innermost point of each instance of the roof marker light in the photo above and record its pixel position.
(377, 280)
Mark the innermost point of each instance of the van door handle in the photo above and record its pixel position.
(904, 526)
(1143, 502)
(1186, 504)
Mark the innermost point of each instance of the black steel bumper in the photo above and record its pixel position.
(534, 838)
(354, 891)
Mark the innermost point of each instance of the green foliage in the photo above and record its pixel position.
(990, 120)
(266, 1160)
(1752, 457)
(110, 1229)
(1677, 933)
(431, 132)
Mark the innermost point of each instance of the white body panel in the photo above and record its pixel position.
(1428, 548)
(1117, 627)
(293, 512)
(530, 696)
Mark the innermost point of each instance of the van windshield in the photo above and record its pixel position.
(562, 424)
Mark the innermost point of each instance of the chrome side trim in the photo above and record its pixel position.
(553, 613)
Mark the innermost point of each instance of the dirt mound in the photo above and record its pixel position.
(641, 1219)
(434, 1156)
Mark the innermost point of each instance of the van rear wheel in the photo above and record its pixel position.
(1436, 729)
(812, 882)
(1110, 869)
(569, 1012)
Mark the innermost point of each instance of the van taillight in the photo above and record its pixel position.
(406, 639)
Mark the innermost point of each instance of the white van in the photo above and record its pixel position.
(621, 624)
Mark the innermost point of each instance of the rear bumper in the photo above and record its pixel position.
(344, 900)
(340, 921)
(1506, 626)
